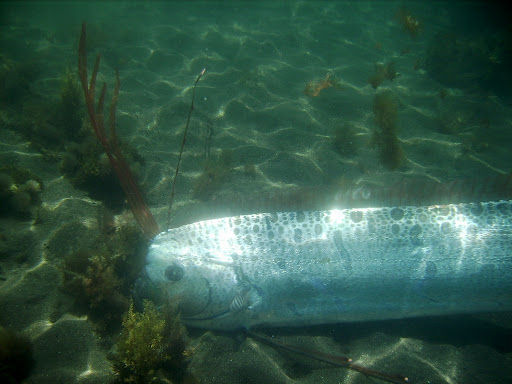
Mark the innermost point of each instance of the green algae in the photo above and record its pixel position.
(100, 276)
(151, 346)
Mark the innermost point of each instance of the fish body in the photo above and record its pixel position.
(316, 267)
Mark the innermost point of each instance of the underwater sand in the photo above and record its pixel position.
(258, 60)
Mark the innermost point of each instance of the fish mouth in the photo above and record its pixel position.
(194, 315)
(191, 304)
(239, 303)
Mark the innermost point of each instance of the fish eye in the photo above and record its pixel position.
(174, 272)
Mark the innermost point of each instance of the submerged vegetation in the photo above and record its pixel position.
(382, 72)
(313, 88)
(110, 143)
(70, 109)
(87, 167)
(216, 171)
(100, 278)
(56, 128)
(19, 192)
(152, 345)
(83, 160)
(409, 22)
(50, 124)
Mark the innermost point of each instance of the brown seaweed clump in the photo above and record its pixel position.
(409, 22)
(151, 346)
(385, 137)
(20, 191)
(314, 88)
(100, 279)
(382, 72)
(215, 172)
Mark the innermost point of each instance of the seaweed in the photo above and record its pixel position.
(20, 192)
(385, 137)
(214, 174)
(382, 72)
(56, 128)
(409, 22)
(88, 168)
(92, 280)
(70, 111)
(110, 145)
(314, 88)
(152, 344)
(100, 278)
(50, 124)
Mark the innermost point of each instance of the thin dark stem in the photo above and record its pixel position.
(336, 360)
(171, 200)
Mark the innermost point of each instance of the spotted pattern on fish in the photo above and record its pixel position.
(314, 267)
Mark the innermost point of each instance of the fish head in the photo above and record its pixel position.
(203, 286)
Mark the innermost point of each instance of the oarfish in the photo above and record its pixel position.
(314, 267)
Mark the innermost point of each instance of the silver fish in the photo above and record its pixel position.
(303, 268)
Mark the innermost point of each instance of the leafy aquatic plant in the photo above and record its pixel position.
(216, 171)
(19, 191)
(151, 344)
(409, 22)
(100, 277)
(382, 72)
(314, 88)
